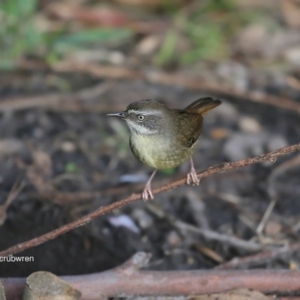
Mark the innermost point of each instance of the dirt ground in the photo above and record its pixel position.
(48, 152)
(65, 64)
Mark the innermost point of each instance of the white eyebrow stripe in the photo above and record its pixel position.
(132, 111)
(144, 113)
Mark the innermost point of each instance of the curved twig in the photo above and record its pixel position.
(225, 167)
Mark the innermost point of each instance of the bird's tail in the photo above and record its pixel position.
(203, 105)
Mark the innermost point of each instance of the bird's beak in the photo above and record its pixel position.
(122, 114)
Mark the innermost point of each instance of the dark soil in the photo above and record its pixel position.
(90, 152)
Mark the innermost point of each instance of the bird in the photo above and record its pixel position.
(163, 138)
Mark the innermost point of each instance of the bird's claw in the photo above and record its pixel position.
(192, 178)
(147, 193)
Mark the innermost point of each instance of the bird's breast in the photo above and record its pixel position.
(158, 151)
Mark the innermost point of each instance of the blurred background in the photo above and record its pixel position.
(65, 64)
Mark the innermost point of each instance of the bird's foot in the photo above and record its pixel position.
(147, 193)
(192, 178)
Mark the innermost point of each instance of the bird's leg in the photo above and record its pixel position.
(192, 176)
(147, 192)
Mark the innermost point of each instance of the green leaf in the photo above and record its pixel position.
(71, 167)
(208, 40)
(18, 8)
(91, 37)
(9, 7)
(7, 64)
(166, 52)
(27, 7)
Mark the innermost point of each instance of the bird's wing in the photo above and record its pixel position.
(190, 128)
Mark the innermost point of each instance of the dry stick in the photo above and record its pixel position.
(73, 102)
(283, 167)
(267, 255)
(207, 233)
(271, 156)
(61, 101)
(16, 189)
(129, 280)
(220, 237)
(259, 257)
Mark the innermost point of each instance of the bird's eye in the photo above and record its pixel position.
(140, 117)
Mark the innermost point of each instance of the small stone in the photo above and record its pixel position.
(148, 45)
(273, 228)
(173, 238)
(250, 40)
(143, 219)
(68, 147)
(248, 124)
(243, 145)
(292, 55)
(234, 74)
(226, 112)
(38, 133)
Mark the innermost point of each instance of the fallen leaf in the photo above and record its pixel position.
(10, 198)
(39, 172)
(104, 16)
(291, 12)
(210, 253)
(219, 133)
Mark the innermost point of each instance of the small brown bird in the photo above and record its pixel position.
(163, 138)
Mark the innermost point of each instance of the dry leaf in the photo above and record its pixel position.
(210, 253)
(291, 12)
(104, 16)
(219, 133)
(10, 198)
(40, 172)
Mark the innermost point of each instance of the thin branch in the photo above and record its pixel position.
(128, 280)
(259, 258)
(225, 167)
(74, 101)
(16, 189)
(176, 80)
(71, 102)
(220, 237)
(207, 233)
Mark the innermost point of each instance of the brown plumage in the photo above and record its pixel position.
(164, 138)
(191, 118)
